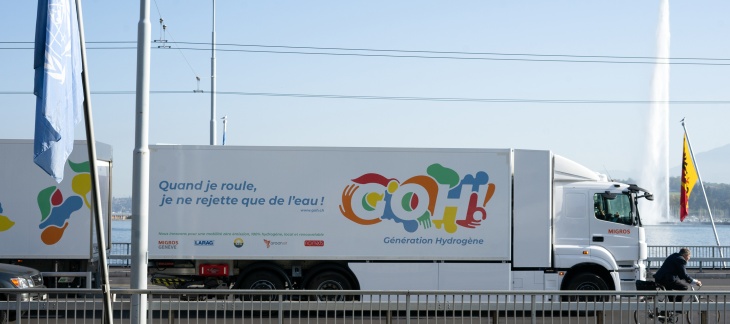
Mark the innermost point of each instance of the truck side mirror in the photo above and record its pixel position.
(648, 196)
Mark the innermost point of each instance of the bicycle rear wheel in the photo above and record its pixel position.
(645, 313)
(644, 316)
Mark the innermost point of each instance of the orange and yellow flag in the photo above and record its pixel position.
(689, 178)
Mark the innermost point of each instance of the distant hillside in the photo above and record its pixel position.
(718, 196)
(122, 206)
(713, 165)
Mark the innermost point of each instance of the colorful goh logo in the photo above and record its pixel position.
(56, 211)
(5, 222)
(441, 198)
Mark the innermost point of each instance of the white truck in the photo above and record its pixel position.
(389, 219)
(49, 226)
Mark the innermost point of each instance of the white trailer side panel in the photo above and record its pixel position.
(474, 276)
(385, 276)
(298, 203)
(532, 209)
(42, 219)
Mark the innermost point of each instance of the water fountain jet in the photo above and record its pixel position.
(655, 164)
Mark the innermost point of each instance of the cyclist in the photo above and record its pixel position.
(673, 273)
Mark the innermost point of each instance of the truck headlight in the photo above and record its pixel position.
(20, 282)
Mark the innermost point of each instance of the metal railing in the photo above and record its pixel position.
(242, 306)
(703, 257)
(120, 255)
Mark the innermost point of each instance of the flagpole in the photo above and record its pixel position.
(699, 178)
(96, 199)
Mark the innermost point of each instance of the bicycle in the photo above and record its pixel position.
(651, 314)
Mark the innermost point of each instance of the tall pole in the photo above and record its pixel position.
(141, 166)
(91, 145)
(699, 178)
(212, 84)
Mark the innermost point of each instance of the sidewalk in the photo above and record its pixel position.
(710, 273)
(120, 272)
(120, 277)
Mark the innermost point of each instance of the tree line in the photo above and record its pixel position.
(718, 196)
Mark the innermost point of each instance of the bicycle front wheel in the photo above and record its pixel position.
(703, 317)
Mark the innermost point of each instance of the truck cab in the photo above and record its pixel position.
(598, 230)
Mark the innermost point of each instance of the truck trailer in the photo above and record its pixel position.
(389, 219)
(47, 225)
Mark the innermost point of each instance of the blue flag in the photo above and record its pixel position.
(58, 86)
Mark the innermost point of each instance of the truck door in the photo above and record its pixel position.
(613, 226)
(572, 223)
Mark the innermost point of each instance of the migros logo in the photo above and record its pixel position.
(167, 245)
(442, 198)
(619, 231)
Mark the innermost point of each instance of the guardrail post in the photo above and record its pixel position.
(533, 313)
(281, 309)
(17, 309)
(408, 308)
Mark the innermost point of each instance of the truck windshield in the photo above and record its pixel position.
(617, 210)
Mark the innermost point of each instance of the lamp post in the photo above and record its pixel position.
(213, 130)
(225, 120)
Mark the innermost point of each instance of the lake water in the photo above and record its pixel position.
(121, 231)
(684, 234)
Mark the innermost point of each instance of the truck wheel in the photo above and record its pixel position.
(262, 280)
(329, 280)
(588, 281)
(8, 316)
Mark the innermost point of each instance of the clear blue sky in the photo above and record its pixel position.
(603, 136)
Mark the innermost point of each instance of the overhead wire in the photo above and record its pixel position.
(407, 98)
(455, 52)
(164, 30)
(411, 54)
(569, 58)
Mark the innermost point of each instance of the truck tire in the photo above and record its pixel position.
(9, 316)
(329, 280)
(262, 280)
(588, 281)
